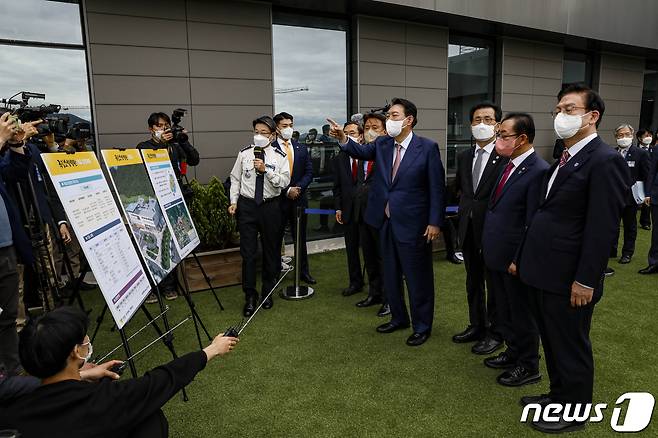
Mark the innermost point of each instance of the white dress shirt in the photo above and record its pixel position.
(521, 158)
(488, 149)
(405, 144)
(243, 175)
(573, 150)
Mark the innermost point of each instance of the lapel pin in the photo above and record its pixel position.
(576, 164)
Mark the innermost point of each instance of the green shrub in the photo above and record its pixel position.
(209, 210)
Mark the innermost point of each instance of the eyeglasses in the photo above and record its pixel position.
(505, 137)
(567, 110)
(486, 120)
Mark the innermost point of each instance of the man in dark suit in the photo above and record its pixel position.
(406, 203)
(652, 193)
(478, 169)
(13, 241)
(294, 196)
(511, 207)
(566, 248)
(645, 141)
(638, 162)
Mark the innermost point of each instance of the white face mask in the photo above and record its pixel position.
(158, 135)
(286, 133)
(566, 126)
(647, 141)
(394, 127)
(54, 147)
(482, 131)
(370, 135)
(354, 139)
(624, 142)
(261, 140)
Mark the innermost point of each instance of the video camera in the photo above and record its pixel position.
(176, 129)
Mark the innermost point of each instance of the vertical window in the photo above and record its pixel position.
(649, 109)
(310, 82)
(470, 81)
(577, 67)
(42, 51)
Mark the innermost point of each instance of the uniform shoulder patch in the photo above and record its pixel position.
(246, 148)
(280, 152)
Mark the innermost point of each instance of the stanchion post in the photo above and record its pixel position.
(297, 292)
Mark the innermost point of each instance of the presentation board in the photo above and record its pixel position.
(96, 221)
(142, 210)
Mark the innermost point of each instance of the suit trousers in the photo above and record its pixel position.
(262, 221)
(653, 251)
(371, 258)
(645, 215)
(564, 332)
(481, 306)
(352, 239)
(629, 220)
(9, 305)
(413, 262)
(514, 319)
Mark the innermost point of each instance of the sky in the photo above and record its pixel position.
(59, 73)
(313, 58)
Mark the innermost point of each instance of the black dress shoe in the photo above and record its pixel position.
(651, 269)
(560, 426)
(500, 362)
(542, 399)
(249, 306)
(453, 259)
(384, 310)
(268, 303)
(389, 327)
(471, 334)
(369, 301)
(306, 278)
(351, 290)
(645, 227)
(625, 259)
(417, 339)
(487, 346)
(519, 376)
(609, 272)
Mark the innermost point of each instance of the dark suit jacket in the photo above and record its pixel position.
(508, 216)
(302, 170)
(570, 236)
(652, 187)
(473, 203)
(345, 187)
(415, 197)
(14, 166)
(639, 163)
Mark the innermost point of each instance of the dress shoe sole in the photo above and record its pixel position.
(383, 314)
(527, 381)
(570, 428)
(393, 329)
(417, 343)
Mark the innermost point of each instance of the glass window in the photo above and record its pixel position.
(649, 111)
(576, 67)
(470, 81)
(41, 21)
(310, 82)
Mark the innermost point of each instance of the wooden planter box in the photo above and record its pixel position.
(223, 267)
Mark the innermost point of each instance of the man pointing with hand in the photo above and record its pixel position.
(406, 204)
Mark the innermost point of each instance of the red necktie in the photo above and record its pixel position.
(370, 163)
(355, 169)
(503, 180)
(565, 157)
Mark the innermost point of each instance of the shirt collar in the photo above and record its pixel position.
(488, 148)
(521, 158)
(573, 150)
(405, 143)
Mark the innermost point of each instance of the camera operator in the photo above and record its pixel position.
(55, 346)
(181, 154)
(13, 240)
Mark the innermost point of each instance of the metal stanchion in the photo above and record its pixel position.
(297, 292)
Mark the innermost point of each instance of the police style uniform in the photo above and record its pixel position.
(258, 212)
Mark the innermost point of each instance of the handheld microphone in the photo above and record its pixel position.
(259, 153)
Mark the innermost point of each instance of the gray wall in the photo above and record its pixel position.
(213, 58)
(398, 59)
(531, 79)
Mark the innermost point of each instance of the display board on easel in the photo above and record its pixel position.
(96, 221)
(136, 197)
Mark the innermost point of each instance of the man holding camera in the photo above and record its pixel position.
(181, 154)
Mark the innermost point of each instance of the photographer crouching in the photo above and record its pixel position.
(174, 138)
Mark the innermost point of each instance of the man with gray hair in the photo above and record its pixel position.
(638, 163)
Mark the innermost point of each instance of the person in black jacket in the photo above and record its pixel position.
(638, 162)
(566, 248)
(652, 201)
(54, 347)
(181, 154)
(645, 140)
(478, 169)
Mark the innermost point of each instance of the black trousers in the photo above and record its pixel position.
(372, 258)
(564, 332)
(289, 212)
(645, 215)
(653, 251)
(351, 231)
(629, 220)
(514, 320)
(262, 221)
(413, 262)
(481, 306)
(9, 305)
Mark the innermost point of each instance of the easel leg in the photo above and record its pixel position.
(99, 321)
(126, 347)
(205, 276)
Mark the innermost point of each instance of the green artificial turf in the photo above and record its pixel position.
(318, 368)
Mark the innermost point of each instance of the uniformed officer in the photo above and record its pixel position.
(258, 176)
